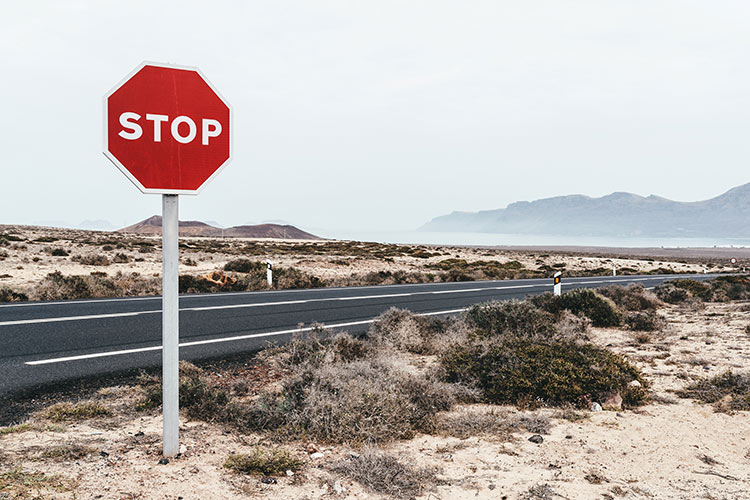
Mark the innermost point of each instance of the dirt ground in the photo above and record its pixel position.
(28, 254)
(671, 448)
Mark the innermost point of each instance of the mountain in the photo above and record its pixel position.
(617, 214)
(152, 225)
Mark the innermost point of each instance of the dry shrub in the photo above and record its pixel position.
(56, 286)
(406, 331)
(317, 348)
(92, 260)
(556, 373)
(600, 310)
(372, 400)
(8, 295)
(383, 473)
(263, 460)
(468, 422)
(648, 321)
(245, 266)
(631, 298)
(199, 399)
(728, 391)
(67, 452)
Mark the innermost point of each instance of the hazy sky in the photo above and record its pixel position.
(372, 115)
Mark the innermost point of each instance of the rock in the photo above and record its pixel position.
(634, 383)
(596, 407)
(491, 486)
(317, 455)
(338, 487)
(568, 437)
(289, 473)
(268, 480)
(138, 434)
(163, 461)
(536, 439)
(104, 454)
(183, 449)
(613, 402)
(311, 448)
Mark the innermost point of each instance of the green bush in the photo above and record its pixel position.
(554, 373)
(511, 318)
(600, 310)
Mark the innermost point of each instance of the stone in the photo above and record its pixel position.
(338, 487)
(634, 383)
(536, 439)
(613, 402)
(596, 407)
(163, 461)
(317, 455)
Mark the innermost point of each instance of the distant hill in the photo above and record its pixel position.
(617, 214)
(152, 225)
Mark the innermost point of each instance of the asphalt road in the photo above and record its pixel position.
(50, 342)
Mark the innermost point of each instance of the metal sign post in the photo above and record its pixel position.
(169, 131)
(170, 325)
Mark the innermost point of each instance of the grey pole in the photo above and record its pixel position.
(170, 327)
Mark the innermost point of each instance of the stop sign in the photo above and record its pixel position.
(167, 128)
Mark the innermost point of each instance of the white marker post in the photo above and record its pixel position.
(269, 273)
(170, 325)
(614, 269)
(557, 283)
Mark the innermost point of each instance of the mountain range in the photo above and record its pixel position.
(617, 214)
(152, 225)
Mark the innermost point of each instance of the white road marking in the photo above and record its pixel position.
(214, 341)
(306, 301)
(243, 306)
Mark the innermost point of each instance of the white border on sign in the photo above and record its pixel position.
(125, 171)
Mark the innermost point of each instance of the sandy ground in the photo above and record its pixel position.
(24, 263)
(670, 449)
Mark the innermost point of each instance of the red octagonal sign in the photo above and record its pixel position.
(167, 128)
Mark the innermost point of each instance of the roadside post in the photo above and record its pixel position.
(269, 273)
(557, 287)
(614, 269)
(169, 131)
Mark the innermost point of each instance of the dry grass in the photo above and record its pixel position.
(468, 422)
(68, 412)
(263, 460)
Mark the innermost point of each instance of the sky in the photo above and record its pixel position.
(380, 115)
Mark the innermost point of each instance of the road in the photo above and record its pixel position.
(51, 342)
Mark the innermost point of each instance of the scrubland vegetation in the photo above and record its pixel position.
(48, 264)
(339, 407)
